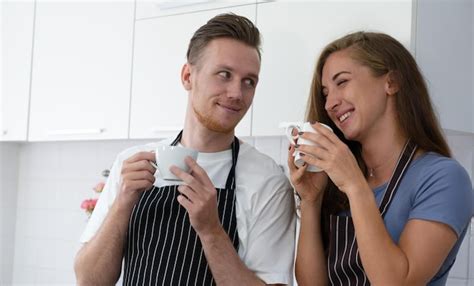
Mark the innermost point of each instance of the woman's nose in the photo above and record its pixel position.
(332, 101)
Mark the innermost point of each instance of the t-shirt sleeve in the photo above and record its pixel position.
(271, 238)
(444, 194)
(105, 201)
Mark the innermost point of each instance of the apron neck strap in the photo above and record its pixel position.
(230, 182)
(404, 160)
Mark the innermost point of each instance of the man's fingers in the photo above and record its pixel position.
(139, 175)
(185, 202)
(138, 166)
(142, 185)
(198, 172)
(144, 155)
(188, 192)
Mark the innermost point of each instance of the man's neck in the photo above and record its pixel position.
(198, 137)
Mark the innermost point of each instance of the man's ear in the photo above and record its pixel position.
(186, 76)
(392, 85)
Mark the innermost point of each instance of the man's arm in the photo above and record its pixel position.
(99, 261)
(199, 198)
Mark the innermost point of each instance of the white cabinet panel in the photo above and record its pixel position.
(444, 51)
(158, 97)
(157, 8)
(16, 40)
(81, 70)
(294, 34)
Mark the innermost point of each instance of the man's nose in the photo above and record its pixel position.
(235, 90)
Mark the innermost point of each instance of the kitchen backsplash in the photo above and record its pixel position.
(41, 219)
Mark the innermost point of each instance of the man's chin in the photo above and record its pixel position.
(215, 125)
(219, 128)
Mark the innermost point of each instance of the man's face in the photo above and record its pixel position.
(222, 83)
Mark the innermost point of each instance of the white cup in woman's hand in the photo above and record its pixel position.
(295, 139)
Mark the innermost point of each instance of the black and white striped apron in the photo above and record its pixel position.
(162, 247)
(344, 264)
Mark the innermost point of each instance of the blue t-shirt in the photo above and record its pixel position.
(434, 188)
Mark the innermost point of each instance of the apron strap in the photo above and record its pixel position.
(230, 183)
(403, 162)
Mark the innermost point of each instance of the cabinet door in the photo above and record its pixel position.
(157, 8)
(294, 34)
(81, 71)
(17, 37)
(158, 97)
(444, 51)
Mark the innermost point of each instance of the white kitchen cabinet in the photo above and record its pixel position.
(444, 51)
(159, 100)
(81, 70)
(16, 38)
(157, 8)
(294, 33)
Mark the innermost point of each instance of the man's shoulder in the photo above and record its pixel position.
(257, 161)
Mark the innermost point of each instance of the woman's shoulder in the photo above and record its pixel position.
(430, 163)
(434, 171)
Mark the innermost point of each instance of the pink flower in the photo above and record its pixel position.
(88, 205)
(99, 187)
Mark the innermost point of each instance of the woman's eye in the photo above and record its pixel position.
(341, 82)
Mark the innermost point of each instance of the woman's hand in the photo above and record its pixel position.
(308, 185)
(334, 157)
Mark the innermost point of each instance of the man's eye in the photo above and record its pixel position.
(224, 74)
(249, 82)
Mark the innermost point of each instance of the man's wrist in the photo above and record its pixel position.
(212, 235)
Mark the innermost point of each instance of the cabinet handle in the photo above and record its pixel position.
(4, 132)
(168, 5)
(76, 131)
(166, 129)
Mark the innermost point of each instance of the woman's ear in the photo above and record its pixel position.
(186, 76)
(392, 84)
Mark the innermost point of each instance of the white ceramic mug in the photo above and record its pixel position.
(304, 127)
(167, 156)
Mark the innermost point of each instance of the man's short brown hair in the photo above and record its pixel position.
(223, 26)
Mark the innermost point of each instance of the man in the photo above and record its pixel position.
(232, 221)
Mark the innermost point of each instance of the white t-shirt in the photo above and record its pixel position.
(265, 209)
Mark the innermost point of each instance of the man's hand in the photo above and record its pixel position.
(199, 197)
(137, 175)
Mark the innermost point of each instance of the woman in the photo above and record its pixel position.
(391, 207)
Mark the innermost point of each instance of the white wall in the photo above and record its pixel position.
(8, 199)
(55, 177)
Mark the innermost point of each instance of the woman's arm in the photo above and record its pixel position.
(310, 268)
(422, 248)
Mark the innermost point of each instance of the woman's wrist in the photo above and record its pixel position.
(312, 203)
(358, 189)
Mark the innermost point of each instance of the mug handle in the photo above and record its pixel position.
(289, 135)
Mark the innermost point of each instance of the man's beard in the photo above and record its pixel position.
(211, 123)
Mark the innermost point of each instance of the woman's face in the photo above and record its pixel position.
(356, 100)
